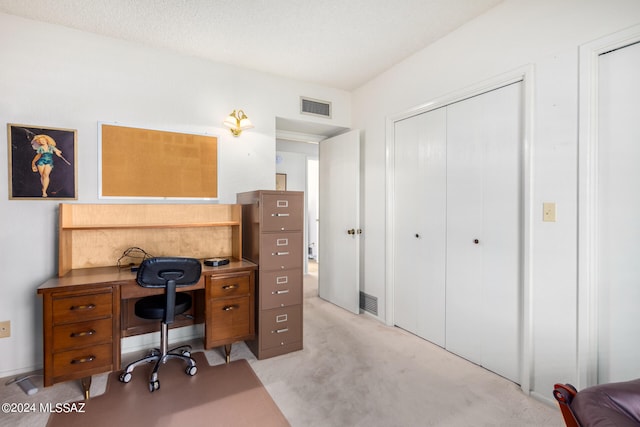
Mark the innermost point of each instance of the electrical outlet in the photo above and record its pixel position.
(5, 329)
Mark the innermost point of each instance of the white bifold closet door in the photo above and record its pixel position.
(483, 268)
(457, 228)
(618, 214)
(420, 221)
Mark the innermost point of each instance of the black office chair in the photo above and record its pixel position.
(168, 273)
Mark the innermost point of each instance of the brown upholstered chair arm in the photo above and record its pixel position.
(564, 394)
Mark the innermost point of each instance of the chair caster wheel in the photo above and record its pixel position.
(154, 385)
(125, 377)
(192, 370)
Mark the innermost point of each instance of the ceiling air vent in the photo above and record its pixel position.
(315, 107)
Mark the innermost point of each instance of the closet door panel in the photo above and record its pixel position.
(502, 230)
(465, 158)
(483, 230)
(618, 210)
(419, 225)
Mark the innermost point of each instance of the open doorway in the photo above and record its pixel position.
(297, 158)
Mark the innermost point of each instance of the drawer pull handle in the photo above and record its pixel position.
(84, 359)
(83, 307)
(281, 331)
(283, 291)
(230, 307)
(229, 287)
(279, 214)
(280, 253)
(282, 203)
(282, 280)
(82, 334)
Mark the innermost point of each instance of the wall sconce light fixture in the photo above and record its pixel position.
(237, 121)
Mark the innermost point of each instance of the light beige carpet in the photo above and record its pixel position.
(221, 395)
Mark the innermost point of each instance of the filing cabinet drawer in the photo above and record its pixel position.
(77, 361)
(78, 308)
(281, 251)
(282, 212)
(280, 288)
(228, 286)
(230, 318)
(74, 335)
(280, 327)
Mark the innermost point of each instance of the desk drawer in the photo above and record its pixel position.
(281, 251)
(74, 362)
(280, 327)
(280, 288)
(78, 308)
(230, 318)
(81, 334)
(228, 286)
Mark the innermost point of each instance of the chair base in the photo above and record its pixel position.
(160, 357)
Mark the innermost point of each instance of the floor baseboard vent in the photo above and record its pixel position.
(369, 303)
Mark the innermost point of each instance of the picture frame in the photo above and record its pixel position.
(281, 182)
(42, 162)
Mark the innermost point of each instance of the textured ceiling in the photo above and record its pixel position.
(337, 43)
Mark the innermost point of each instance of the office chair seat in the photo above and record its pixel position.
(153, 307)
(168, 273)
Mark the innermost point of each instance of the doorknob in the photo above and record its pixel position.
(476, 241)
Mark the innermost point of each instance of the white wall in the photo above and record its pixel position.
(53, 76)
(294, 165)
(545, 34)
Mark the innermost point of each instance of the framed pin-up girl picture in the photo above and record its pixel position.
(42, 162)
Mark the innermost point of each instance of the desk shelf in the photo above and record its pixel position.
(96, 235)
(129, 226)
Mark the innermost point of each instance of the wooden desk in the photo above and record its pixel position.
(84, 319)
(88, 308)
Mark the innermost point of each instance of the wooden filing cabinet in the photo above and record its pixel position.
(230, 309)
(79, 331)
(272, 235)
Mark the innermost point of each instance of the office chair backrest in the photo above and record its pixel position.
(159, 272)
(169, 273)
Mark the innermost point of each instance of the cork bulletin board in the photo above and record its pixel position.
(140, 162)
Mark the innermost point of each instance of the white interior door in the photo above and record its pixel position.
(339, 225)
(484, 222)
(618, 210)
(419, 225)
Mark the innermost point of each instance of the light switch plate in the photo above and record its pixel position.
(5, 329)
(549, 212)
